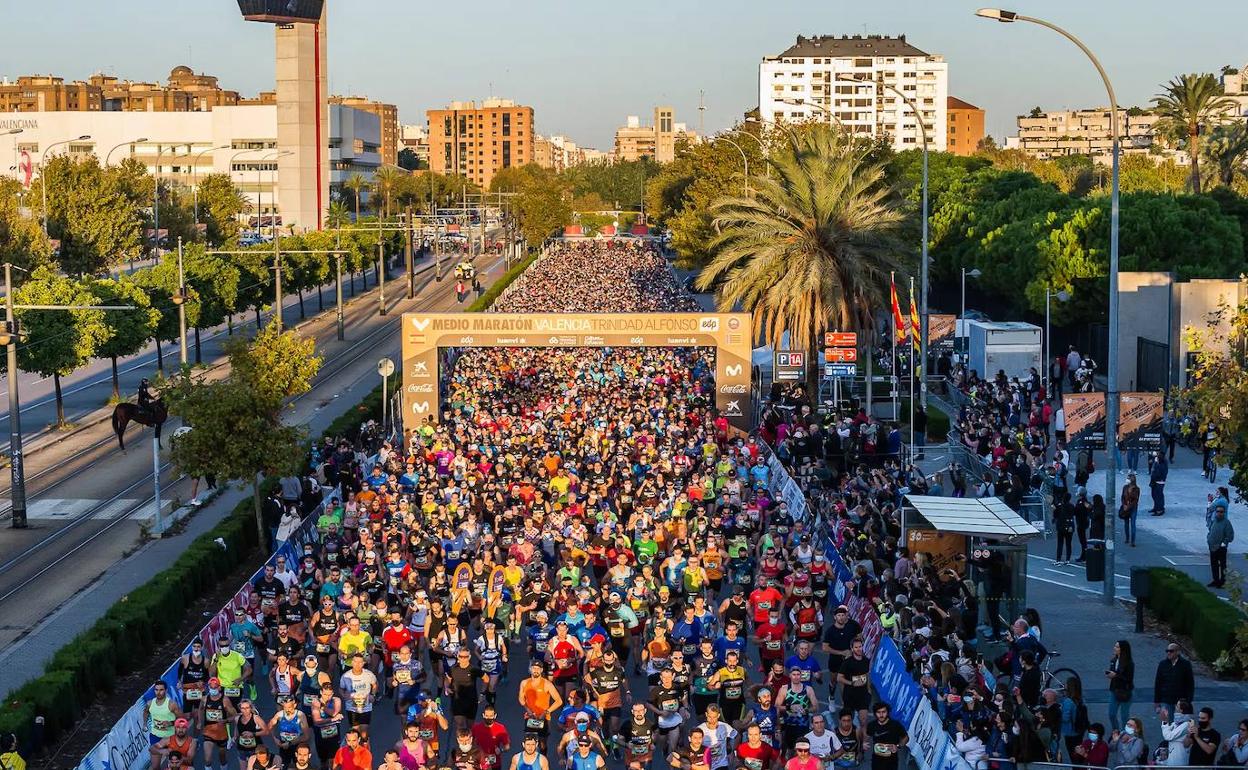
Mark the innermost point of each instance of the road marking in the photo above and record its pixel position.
(1059, 572)
(1189, 560)
(68, 509)
(1051, 561)
(1085, 589)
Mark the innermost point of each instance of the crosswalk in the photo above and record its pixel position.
(67, 508)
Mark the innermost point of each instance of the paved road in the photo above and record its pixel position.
(86, 493)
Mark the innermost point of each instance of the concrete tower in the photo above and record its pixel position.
(303, 123)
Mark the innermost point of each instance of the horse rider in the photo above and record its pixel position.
(146, 397)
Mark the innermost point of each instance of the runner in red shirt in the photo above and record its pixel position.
(763, 600)
(395, 637)
(753, 753)
(491, 737)
(769, 636)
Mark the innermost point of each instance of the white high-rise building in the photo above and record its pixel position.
(805, 82)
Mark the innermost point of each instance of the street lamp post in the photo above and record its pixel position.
(1061, 296)
(260, 195)
(156, 206)
(14, 132)
(744, 159)
(1111, 396)
(233, 158)
(974, 273)
(108, 155)
(43, 177)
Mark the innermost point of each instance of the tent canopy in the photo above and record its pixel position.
(986, 517)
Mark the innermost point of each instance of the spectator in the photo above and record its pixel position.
(1177, 734)
(1121, 675)
(1128, 747)
(1174, 680)
(1093, 750)
(1220, 535)
(1157, 473)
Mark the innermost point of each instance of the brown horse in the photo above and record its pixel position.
(125, 413)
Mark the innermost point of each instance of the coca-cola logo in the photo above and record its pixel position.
(738, 388)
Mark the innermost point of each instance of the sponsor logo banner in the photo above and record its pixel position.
(1085, 420)
(1139, 420)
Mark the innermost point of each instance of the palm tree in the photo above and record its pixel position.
(384, 181)
(1227, 149)
(811, 250)
(356, 184)
(337, 216)
(1188, 104)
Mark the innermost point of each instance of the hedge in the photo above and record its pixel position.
(124, 639)
(1192, 610)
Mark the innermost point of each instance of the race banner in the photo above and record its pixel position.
(461, 587)
(940, 331)
(1085, 420)
(1139, 420)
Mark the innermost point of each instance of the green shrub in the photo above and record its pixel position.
(1192, 610)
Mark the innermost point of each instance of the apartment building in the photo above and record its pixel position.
(388, 114)
(48, 93)
(1082, 132)
(965, 127)
(185, 91)
(657, 140)
(477, 142)
(1235, 85)
(814, 80)
(415, 138)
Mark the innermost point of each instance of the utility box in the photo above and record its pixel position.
(1012, 346)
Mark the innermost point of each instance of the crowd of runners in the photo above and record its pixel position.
(580, 567)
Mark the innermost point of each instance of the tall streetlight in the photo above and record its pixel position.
(1111, 396)
(156, 204)
(233, 158)
(108, 155)
(744, 159)
(1060, 295)
(974, 272)
(195, 175)
(43, 177)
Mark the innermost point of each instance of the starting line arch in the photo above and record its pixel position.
(426, 334)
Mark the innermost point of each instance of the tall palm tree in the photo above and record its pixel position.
(385, 179)
(1227, 149)
(356, 184)
(811, 250)
(337, 215)
(1187, 106)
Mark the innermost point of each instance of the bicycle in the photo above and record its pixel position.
(1055, 678)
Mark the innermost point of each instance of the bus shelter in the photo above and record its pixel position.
(982, 540)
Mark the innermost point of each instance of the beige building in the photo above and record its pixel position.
(416, 138)
(1235, 85)
(559, 152)
(633, 140)
(185, 91)
(965, 126)
(1082, 132)
(389, 116)
(477, 142)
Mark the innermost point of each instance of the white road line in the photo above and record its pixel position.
(1085, 589)
(1059, 572)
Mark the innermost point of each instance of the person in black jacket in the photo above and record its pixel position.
(1121, 675)
(1174, 681)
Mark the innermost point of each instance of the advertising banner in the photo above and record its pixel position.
(940, 331)
(1139, 420)
(1085, 420)
(425, 333)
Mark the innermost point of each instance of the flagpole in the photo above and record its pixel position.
(894, 380)
(912, 374)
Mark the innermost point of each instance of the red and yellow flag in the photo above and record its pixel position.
(914, 318)
(899, 325)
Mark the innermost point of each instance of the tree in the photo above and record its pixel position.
(542, 203)
(384, 181)
(1036, 112)
(215, 282)
(237, 432)
(408, 161)
(128, 330)
(58, 341)
(1218, 387)
(160, 281)
(356, 183)
(1226, 149)
(97, 223)
(220, 205)
(337, 216)
(1187, 106)
(811, 249)
(22, 242)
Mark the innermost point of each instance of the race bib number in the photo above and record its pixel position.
(329, 730)
(884, 749)
(309, 698)
(233, 692)
(239, 647)
(285, 736)
(213, 715)
(193, 694)
(247, 741)
(324, 649)
(733, 691)
(534, 723)
(403, 676)
(806, 628)
(671, 705)
(774, 644)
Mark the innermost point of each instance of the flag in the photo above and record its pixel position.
(914, 318)
(899, 325)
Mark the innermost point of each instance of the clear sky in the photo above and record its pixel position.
(586, 64)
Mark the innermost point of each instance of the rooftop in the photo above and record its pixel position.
(954, 103)
(852, 45)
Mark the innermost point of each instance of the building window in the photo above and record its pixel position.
(507, 124)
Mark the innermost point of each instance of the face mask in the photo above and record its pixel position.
(582, 727)
(1129, 730)
(1093, 737)
(465, 746)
